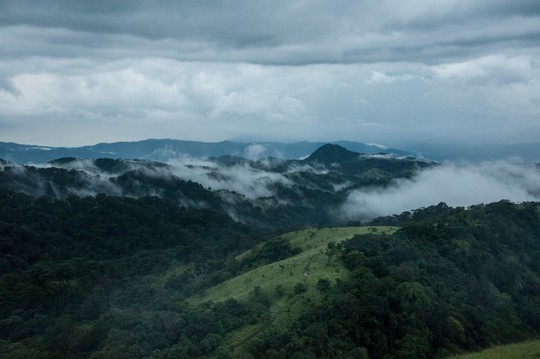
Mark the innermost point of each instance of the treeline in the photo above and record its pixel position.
(108, 277)
(308, 193)
(290, 206)
(104, 227)
(70, 269)
(469, 280)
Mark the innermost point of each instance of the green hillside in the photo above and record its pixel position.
(526, 350)
(292, 285)
(288, 272)
(109, 277)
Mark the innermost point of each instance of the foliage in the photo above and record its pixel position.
(466, 281)
(309, 192)
(110, 277)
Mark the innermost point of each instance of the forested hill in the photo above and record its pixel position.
(102, 228)
(111, 277)
(460, 280)
(269, 193)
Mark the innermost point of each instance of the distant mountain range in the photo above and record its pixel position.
(165, 150)
(168, 149)
(523, 152)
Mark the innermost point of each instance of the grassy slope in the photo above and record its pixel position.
(285, 274)
(526, 350)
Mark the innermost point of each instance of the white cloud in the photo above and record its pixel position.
(255, 150)
(381, 77)
(240, 178)
(162, 98)
(491, 69)
(456, 185)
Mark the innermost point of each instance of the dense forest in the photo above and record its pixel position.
(267, 194)
(467, 280)
(114, 277)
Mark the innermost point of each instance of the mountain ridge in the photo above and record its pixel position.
(169, 149)
(268, 192)
(332, 153)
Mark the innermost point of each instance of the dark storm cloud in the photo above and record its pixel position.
(216, 21)
(82, 71)
(274, 32)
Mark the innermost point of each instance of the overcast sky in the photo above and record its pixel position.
(76, 72)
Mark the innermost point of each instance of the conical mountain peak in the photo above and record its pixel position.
(331, 153)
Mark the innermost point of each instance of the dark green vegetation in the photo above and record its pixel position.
(277, 194)
(111, 258)
(114, 277)
(77, 272)
(467, 280)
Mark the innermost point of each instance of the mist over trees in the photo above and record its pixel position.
(95, 277)
(120, 241)
(111, 258)
(270, 193)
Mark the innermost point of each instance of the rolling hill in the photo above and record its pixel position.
(265, 193)
(229, 257)
(181, 283)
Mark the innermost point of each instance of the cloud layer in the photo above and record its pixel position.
(455, 185)
(80, 72)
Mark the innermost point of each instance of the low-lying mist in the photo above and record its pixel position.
(240, 177)
(311, 187)
(456, 185)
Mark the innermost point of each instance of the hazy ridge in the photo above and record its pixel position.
(168, 149)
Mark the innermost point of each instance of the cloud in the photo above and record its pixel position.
(496, 69)
(240, 178)
(260, 32)
(88, 181)
(161, 98)
(390, 72)
(456, 185)
(255, 150)
(377, 76)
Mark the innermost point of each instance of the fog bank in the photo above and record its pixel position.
(456, 185)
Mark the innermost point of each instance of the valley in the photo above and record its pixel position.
(280, 179)
(233, 258)
(270, 192)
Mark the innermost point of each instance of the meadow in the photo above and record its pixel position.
(293, 285)
(525, 350)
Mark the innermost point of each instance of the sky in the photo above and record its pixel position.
(76, 72)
